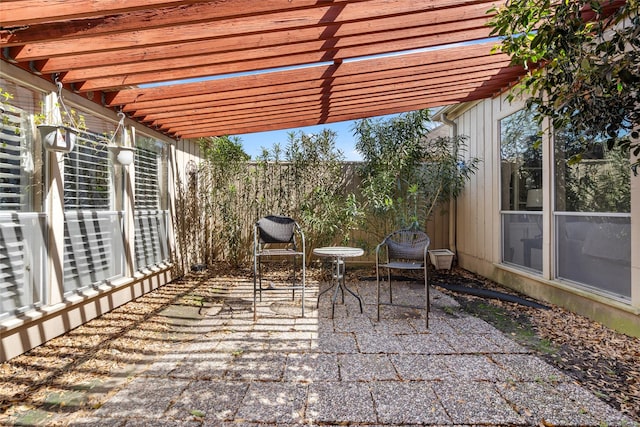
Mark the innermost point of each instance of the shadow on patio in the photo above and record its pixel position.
(190, 354)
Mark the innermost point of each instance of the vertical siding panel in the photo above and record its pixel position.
(489, 168)
(481, 236)
(461, 203)
(471, 196)
(493, 183)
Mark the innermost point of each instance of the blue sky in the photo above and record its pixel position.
(345, 141)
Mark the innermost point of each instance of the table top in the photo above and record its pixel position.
(338, 251)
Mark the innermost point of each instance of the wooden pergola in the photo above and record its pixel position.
(229, 67)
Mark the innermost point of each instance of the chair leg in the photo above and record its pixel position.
(304, 273)
(260, 278)
(427, 302)
(293, 279)
(389, 281)
(426, 314)
(255, 289)
(378, 292)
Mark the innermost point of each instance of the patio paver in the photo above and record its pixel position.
(286, 370)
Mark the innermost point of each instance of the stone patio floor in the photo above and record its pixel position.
(284, 369)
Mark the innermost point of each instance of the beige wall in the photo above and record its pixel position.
(478, 229)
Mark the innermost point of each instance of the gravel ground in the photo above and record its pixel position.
(598, 358)
(75, 372)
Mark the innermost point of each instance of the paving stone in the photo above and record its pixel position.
(312, 367)
(469, 402)
(98, 422)
(285, 370)
(377, 343)
(475, 368)
(217, 400)
(439, 299)
(162, 368)
(527, 367)
(257, 365)
(561, 404)
(268, 402)
(243, 341)
(337, 343)
(162, 423)
(361, 324)
(422, 367)
(506, 344)
(201, 348)
(366, 367)
(306, 324)
(340, 402)
(469, 325)
(393, 326)
(407, 403)
(289, 341)
(426, 343)
(477, 343)
(275, 324)
(404, 314)
(134, 401)
(213, 366)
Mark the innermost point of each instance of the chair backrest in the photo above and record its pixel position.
(407, 244)
(276, 229)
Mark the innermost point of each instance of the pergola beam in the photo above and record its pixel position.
(198, 68)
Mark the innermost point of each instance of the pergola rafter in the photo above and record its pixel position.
(304, 62)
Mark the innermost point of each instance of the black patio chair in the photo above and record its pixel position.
(274, 238)
(403, 250)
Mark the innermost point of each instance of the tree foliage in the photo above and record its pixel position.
(220, 199)
(406, 174)
(583, 61)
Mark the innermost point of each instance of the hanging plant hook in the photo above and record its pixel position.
(119, 128)
(124, 154)
(60, 86)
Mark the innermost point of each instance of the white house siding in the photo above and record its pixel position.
(478, 221)
(58, 313)
(478, 224)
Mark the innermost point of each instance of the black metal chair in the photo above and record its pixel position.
(403, 250)
(274, 237)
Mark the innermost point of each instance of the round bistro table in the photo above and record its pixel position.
(338, 255)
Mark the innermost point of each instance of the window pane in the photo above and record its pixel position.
(23, 250)
(595, 251)
(87, 183)
(522, 240)
(20, 162)
(94, 244)
(150, 220)
(593, 245)
(590, 175)
(520, 162)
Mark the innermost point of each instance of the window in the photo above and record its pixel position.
(22, 226)
(94, 248)
(592, 219)
(521, 190)
(150, 216)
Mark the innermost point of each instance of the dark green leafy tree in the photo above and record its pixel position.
(406, 174)
(583, 62)
(322, 202)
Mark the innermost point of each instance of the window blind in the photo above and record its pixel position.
(150, 221)
(87, 183)
(90, 228)
(13, 160)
